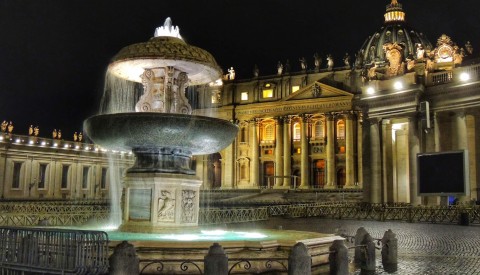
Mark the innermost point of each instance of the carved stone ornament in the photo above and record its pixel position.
(393, 53)
(316, 91)
(188, 206)
(166, 206)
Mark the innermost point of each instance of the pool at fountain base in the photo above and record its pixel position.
(264, 250)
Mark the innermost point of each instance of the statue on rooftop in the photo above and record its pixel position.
(10, 127)
(54, 134)
(75, 136)
(469, 48)
(317, 61)
(346, 60)
(287, 66)
(330, 62)
(420, 52)
(80, 137)
(231, 73)
(279, 68)
(303, 63)
(59, 134)
(36, 131)
(4, 126)
(30, 130)
(256, 71)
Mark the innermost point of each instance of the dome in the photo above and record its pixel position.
(394, 31)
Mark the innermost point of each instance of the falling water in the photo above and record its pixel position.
(115, 193)
(119, 95)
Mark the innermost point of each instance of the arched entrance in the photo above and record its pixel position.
(319, 173)
(341, 177)
(215, 170)
(268, 172)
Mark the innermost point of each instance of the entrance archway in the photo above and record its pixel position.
(319, 173)
(268, 172)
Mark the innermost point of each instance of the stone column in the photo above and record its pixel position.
(255, 164)
(287, 151)
(375, 162)
(359, 151)
(387, 164)
(460, 128)
(304, 153)
(278, 152)
(349, 152)
(228, 167)
(330, 151)
(413, 150)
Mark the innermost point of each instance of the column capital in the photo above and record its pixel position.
(287, 119)
(279, 120)
(330, 116)
(306, 117)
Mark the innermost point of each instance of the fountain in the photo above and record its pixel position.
(161, 189)
(157, 125)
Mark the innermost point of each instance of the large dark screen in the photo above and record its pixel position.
(442, 173)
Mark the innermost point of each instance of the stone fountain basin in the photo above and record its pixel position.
(126, 131)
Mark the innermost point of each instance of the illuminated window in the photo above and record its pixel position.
(296, 131)
(42, 174)
(17, 169)
(340, 129)
(269, 132)
(267, 93)
(244, 96)
(65, 170)
(85, 177)
(318, 129)
(295, 88)
(216, 97)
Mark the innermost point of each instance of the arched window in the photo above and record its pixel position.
(269, 132)
(296, 131)
(341, 129)
(318, 130)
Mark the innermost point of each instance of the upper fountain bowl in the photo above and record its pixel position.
(165, 51)
(126, 131)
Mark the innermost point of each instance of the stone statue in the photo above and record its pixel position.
(469, 48)
(59, 134)
(303, 63)
(279, 68)
(317, 61)
(420, 52)
(287, 66)
(80, 137)
(346, 60)
(75, 136)
(30, 130)
(330, 62)
(36, 131)
(10, 127)
(166, 206)
(4, 126)
(255, 71)
(54, 134)
(231, 73)
(457, 55)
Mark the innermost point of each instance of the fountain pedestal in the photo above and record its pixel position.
(154, 201)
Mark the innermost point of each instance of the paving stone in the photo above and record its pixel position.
(422, 248)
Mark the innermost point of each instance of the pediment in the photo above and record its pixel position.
(318, 90)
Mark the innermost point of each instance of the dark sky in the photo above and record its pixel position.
(53, 53)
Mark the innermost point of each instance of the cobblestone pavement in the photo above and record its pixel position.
(422, 248)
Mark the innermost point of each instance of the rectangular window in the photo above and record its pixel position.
(17, 168)
(42, 171)
(295, 88)
(244, 96)
(65, 170)
(103, 182)
(267, 93)
(85, 177)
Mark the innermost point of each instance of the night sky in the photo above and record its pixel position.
(53, 53)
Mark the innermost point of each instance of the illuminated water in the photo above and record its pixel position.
(201, 235)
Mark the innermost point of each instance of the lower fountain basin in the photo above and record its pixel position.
(198, 135)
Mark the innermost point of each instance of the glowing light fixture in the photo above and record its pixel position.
(17, 140)
(1, 138)
(464, 76)
(370, 90)
(55, 145)
(77, 147)
(43, 143)
(65, 146)
(398, 85)
(30, 142)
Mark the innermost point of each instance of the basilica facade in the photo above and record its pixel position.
(357, 125)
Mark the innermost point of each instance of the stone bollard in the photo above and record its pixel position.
(361, 232)
(124, 260)
(368, 259)
(216, 261)
(389, 251)
(299, 261)
(338, 258)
